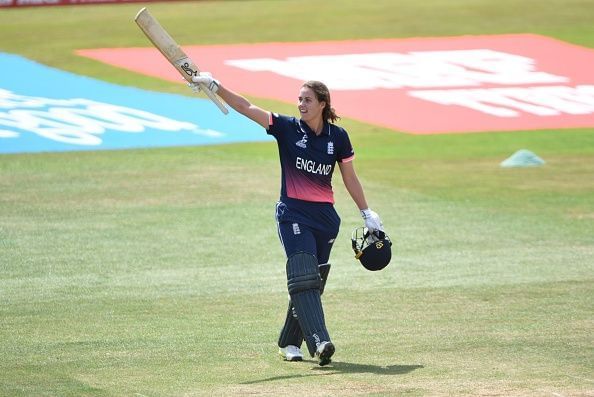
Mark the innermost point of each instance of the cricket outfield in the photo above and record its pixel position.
(158, 272)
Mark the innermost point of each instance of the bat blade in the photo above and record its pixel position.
(172, 52)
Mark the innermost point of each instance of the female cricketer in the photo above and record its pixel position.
(309, 148)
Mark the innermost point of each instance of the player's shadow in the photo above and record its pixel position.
(352, 368)
(338, 367)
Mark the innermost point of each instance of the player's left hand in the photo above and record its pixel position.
(372, 220)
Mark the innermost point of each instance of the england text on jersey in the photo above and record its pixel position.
(313, 167)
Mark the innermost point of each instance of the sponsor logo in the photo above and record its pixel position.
(187, 68)
(414, 70)
(78, 121)
(312, 167)
(296, 229)
(317, 340)
(331, 241)
(303, 142)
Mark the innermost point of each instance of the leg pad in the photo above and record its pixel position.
(302, 273)
(291, 332)
(303, 282)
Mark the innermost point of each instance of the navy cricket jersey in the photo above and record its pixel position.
(308, 160)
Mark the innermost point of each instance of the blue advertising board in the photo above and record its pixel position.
(43, 109)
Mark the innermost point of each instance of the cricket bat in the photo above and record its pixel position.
(173, 52)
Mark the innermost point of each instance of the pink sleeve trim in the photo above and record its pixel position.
(348, 159)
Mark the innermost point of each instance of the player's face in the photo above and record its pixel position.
(309, 106)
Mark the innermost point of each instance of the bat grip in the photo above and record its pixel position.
(213, 97)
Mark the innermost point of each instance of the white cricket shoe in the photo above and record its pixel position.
(324, 353)
(291, 353)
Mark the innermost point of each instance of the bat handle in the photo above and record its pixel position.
(213, 97)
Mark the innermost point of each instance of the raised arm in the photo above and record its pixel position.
(233, 99)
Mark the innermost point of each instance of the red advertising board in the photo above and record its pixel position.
(418, 85)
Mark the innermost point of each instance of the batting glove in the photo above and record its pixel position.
(195, 87)
(372, 220)
(206, 79)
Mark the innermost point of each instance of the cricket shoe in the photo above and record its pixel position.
(324, 353)
(290, 353)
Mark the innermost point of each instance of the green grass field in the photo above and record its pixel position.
(159, 272)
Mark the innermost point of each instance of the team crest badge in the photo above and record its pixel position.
(330, 147)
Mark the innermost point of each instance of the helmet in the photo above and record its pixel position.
(374, 250)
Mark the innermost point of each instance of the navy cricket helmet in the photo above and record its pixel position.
(373, 250)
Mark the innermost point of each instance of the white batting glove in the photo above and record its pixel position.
(206, 78)
(372, 220)
(195, 87)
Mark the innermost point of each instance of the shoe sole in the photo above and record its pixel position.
(326, 354)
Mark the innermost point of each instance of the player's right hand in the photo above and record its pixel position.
(194, 86)
(206, 78)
